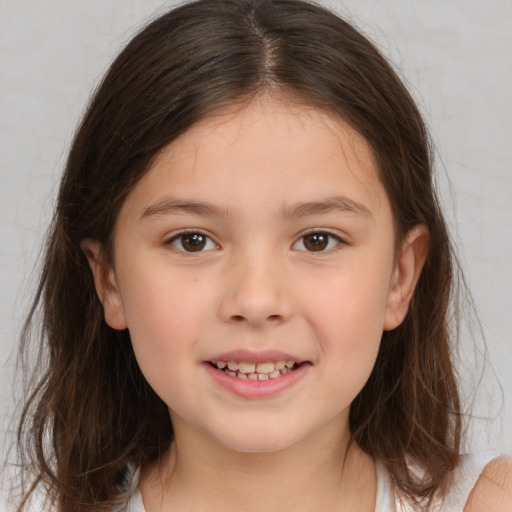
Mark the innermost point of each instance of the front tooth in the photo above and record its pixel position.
(279, 365)
(242, 376)
(262, 376)
(221, 364)
(265, 367)
(233, 366)
(246, 367)
(274, 374)
(252, 376)
(289, 364)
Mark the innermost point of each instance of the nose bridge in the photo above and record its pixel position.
(255, 290)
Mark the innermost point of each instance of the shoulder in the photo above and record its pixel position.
(493, 489)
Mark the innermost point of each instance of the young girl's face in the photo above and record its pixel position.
(262, 236)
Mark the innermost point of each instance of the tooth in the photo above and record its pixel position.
(233, 366)
(262, 376)
(279, 365)
(265, 367)
(246, 367)
(221, 364)
(242, 376)
(233, 374)
(274, 374)
(289, 364)
(285, 370)
(252, 376)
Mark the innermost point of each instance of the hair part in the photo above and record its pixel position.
(92, 414)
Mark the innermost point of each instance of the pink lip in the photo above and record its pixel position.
(255, 389)
(248, 356)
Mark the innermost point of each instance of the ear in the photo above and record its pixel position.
(407, 271)
(106, 284)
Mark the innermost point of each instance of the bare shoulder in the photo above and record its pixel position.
(493, 490)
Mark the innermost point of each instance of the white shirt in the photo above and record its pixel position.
(464, 479)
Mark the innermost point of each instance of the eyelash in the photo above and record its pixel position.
(179, 239)
(180, 236)
(318, 232)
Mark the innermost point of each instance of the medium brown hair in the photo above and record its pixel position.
(91, 414)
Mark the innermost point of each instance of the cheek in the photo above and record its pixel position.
(165, 313)
(347, 316)
(352, 299)
(161, 298)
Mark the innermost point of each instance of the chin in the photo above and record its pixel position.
(261, 440)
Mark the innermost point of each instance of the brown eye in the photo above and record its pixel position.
(317, 241)
(192, 242)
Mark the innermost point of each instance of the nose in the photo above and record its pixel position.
(255, 293)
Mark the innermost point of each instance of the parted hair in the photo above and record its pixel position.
(89, 413)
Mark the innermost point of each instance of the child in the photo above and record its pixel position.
(246, 287)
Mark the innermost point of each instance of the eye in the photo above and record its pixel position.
(317, 241)
(192, 242)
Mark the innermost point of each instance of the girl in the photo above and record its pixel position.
(246, 292)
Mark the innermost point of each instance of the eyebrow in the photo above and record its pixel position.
(177, 206)
(335, 204)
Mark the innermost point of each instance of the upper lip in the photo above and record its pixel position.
(250, 356)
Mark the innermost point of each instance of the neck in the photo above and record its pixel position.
(326, 472)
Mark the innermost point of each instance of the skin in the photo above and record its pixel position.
(493, 490)
(257, 287)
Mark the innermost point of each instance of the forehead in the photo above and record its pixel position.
(267, 149)
(271, 124)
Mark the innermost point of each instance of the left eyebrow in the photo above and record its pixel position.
(336, 204)
(177, 206)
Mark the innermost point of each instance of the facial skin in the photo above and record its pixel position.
(272, 174)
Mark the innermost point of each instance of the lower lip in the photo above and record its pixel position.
(256, 388)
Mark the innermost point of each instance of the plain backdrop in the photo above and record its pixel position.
(455, 56)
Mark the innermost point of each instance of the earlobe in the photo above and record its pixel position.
(407, 271)
(105, 283)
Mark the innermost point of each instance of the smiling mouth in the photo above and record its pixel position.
(255, 371)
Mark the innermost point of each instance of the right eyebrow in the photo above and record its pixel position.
(177, 206)
(335, 204)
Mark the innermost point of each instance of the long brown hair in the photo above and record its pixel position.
(91, 414)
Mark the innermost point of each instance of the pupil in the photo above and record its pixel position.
(193, 242)
(316, 241)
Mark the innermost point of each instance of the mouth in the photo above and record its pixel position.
(256, 375)
(255, 371)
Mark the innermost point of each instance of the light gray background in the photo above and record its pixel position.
(456, 56)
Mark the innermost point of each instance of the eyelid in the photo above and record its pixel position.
(168, 241)
(339, 238)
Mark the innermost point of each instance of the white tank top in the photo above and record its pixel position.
(464, 479)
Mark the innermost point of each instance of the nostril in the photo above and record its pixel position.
(241, 318)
